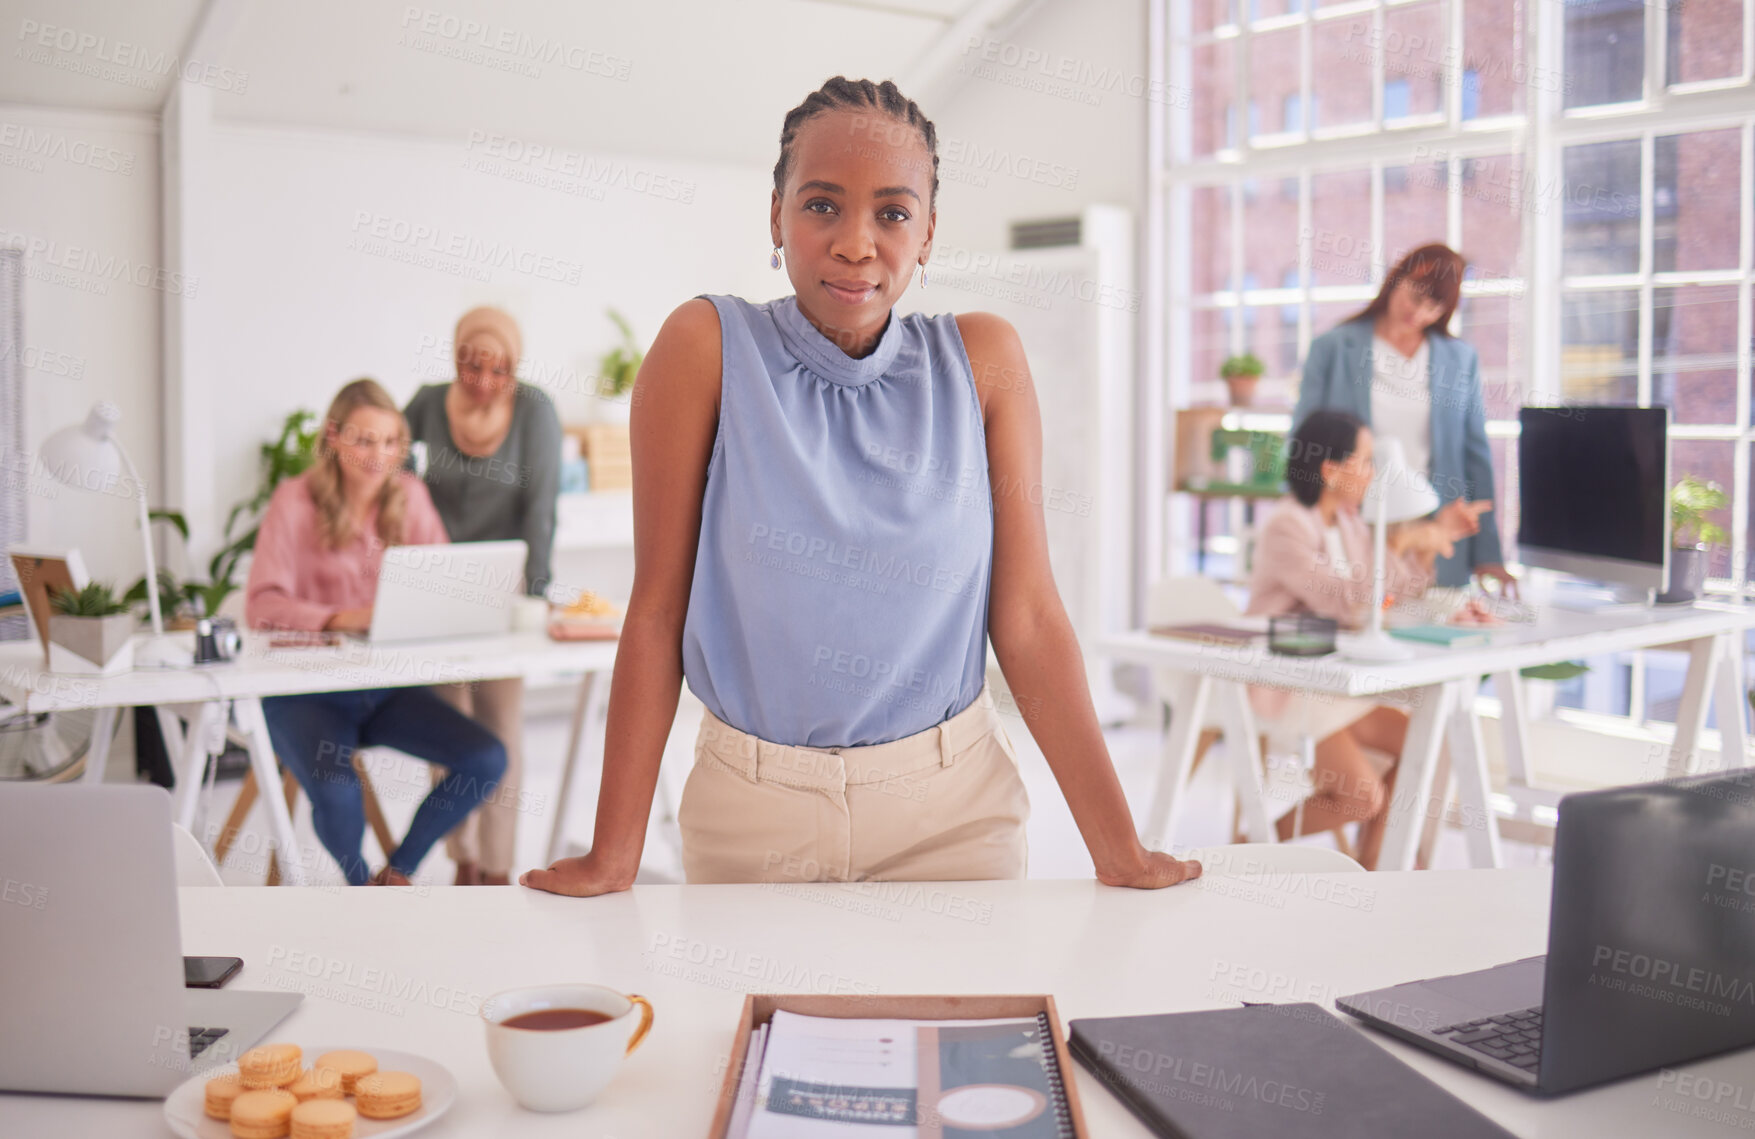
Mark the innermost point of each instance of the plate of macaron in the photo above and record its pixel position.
(283, 1091)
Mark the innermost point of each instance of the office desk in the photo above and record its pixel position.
(409, 969)
(1441, 684)
(213, 694)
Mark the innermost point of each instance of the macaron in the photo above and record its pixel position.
(262, 1114)
(270, 1066)
(221, 1091)
(387, 1095)
(323, 1119)
(317, 1083)
(351, 1064)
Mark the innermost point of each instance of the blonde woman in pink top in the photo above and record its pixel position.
(1314, 555)
(316, 567)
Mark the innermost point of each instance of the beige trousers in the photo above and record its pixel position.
(488, 836)
(945, 804)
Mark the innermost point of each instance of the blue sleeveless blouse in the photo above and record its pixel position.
(841, 581)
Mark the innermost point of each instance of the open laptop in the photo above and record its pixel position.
(92, 976)
(1651, 948)
(460, 589)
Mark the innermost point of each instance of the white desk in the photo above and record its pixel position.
(408, 969)
(215, 693)
(1441, 683)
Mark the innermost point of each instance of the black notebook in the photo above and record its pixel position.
(1290, 1071)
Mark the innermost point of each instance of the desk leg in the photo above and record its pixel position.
(255, 728)
(1188, 709)
(1474, 783)
(569, 767)
(1703, 656)
(1514, 728)
(191, 761)
(1729, 701)
(97, 753)
(1413, 781)
(1243, 753)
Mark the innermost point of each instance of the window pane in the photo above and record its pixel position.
(1606, 688)
(1270, 237)
(1213, 120)
(1601, 230)
(1494, 327)
(1705, 40)
(1493, 53)
(1273, 75)
(1712, 460)
(1209, 14)
(1414, 208)
(1209, 345)
(1694, 352)
(1599, 347)
(1413, 53)
(1340, 228)
(1276, 342)
(1605, 52)
(1341, 63)
(1505, 492)
(1493, 205)
(1695, 200)
(1210, 238)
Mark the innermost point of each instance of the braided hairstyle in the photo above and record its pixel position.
(844, 94)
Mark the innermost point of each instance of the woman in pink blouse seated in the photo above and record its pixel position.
(1314, 555)
(316, 567)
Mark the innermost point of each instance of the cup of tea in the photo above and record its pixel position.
(556, 1046)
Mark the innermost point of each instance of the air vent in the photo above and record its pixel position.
(1045, 234)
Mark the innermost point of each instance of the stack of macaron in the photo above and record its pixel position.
(273, 1096)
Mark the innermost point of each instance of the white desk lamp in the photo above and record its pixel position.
(1397, 494)
(89, 449)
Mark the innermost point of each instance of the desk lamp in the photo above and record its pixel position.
(1396, 494)
(74, 455)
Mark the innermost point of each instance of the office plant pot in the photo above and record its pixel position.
(1242, 389)
(1687, 576)
(91, 644)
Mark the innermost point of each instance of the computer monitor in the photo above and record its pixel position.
(1593, 492)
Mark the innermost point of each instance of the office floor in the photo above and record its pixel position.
(1056, 850)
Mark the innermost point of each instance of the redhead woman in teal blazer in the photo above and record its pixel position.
(1427, 385)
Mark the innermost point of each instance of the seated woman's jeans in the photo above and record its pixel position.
(316, 736)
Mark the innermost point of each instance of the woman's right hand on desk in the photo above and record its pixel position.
(583, 877)
(350, 620)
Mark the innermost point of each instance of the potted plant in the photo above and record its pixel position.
(1692, 536)
(1241, 374)
(90, 631)
(616, 373)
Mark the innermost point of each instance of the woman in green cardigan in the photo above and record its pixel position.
(1396, 368)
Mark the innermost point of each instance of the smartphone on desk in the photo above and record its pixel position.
(209, 972)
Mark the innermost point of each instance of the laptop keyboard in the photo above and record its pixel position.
(1514, 1037)
(200, 1038)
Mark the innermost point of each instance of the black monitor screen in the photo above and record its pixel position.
(1591, 481)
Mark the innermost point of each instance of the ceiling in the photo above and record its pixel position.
(702, 79)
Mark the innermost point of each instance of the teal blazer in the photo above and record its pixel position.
(1337, 376)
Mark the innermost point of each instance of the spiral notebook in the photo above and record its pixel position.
(836, 1078)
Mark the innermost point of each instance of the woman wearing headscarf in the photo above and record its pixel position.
(493, 468)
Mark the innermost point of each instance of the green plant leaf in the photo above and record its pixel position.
(1562, 670)
(174, 517)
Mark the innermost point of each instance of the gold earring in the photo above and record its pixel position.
(774, 258)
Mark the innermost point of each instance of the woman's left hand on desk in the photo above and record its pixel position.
(1494, 571)
(1154, 871)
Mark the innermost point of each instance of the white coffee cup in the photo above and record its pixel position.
(529, 614)
(562, 1069)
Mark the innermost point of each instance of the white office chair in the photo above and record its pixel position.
(1254, 859)
(194, 868)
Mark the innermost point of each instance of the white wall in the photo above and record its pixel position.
(79, 191)
(305, 248)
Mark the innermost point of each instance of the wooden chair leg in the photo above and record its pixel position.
(374, 810)
(234, 822)
(290, 786)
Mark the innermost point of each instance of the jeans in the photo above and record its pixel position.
(316, 735)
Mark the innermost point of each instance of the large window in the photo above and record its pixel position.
(1593, 160)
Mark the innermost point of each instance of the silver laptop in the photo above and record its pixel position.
(461, 589)
(91, 973)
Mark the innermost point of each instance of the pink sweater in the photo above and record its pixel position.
(1294, 574)
(298, 583)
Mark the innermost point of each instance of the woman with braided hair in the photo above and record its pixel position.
(823, 548)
